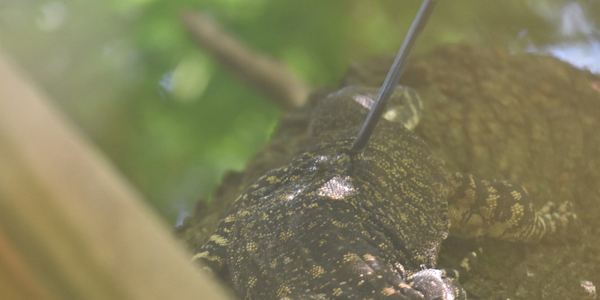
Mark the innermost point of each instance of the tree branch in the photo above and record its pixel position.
(269, 76)
(81, 231)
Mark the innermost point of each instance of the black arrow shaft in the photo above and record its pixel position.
(393, 76)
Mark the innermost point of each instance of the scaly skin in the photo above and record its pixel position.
(331, 225)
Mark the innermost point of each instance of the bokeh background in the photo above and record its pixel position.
(173, 122)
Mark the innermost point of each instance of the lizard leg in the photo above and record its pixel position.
(503, 210)
(464, 267)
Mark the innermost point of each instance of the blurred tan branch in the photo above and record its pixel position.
(263, 73)
(79, 229)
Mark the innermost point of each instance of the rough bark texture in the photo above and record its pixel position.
(527, 118)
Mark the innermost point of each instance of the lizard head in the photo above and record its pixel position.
(342, 112)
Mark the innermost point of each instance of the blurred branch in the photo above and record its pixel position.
(263, 73)
(16, 280)
(79, 229)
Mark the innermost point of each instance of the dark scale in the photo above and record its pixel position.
(363, 217)
(334, 225)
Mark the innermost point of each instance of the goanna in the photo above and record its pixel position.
(336, 225)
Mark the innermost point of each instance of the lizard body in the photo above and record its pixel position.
(332, 225)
